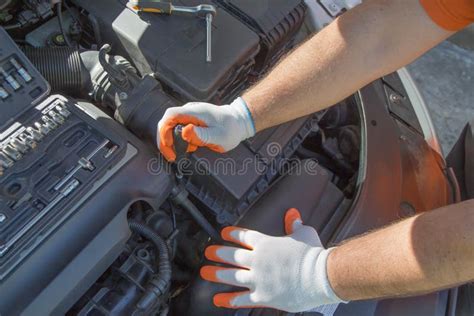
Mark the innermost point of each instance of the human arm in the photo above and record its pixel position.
(427, 252)
(373, 39)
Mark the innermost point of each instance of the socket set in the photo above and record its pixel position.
(48, 156)
(23, 139)
(21, 85)
(52, 153)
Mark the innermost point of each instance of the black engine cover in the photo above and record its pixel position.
(174, 47)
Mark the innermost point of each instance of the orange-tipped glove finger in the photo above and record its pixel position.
(235, 300)
(229, 276)
(294, 226)
(241, 236)
(220, 128)
(166, 126)
(237, 257)
(200, 137)
(286, 273)
(292, 221)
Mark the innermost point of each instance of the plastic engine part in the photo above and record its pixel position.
(319, 208)
(275, 21)
(178, 56)
(227, 184)
(244, 41)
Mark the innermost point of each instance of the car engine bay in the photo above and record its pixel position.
(93, 221)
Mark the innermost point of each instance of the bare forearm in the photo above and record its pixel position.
(369, 41)
(424, 253)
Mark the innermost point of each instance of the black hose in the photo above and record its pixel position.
(59, 12)
(200, 219)
(117, 74)
(81, 75)
(62, 67)
(95, 28)
(159, 283)
(180, 197)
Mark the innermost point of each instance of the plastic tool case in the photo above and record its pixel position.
(65, 167)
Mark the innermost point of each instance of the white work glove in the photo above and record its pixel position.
(219, 128)
(286, 273)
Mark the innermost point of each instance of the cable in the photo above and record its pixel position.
(173, 215)
(71, 13)
(159, 283)
(59, 12)
(95, 28)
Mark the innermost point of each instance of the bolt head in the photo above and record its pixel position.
(123, 96)
(3, 217)
(395, 98)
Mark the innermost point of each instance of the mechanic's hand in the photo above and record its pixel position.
(220, 128)
(286, 273)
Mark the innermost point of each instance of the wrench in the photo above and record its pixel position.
(207, 11)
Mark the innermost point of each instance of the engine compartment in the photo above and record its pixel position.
(136, 225)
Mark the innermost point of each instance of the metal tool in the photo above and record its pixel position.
(21, 70)
(10, 80)
(209, 18)
(206, 11)
(83, 163)
(3, 93)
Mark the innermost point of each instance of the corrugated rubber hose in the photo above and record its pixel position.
(159, 283)
(62, 67)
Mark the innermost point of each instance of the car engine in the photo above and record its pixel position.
(93, 221)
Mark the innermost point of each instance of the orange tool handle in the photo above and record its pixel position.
(160, 7)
